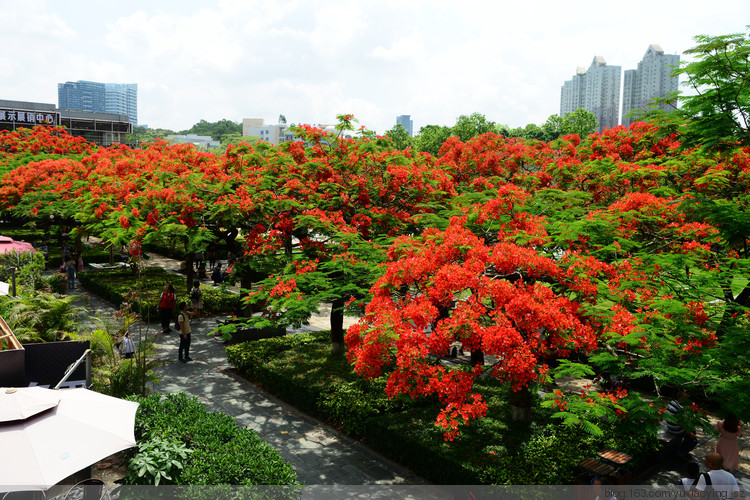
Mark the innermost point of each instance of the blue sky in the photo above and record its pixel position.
(311, 60)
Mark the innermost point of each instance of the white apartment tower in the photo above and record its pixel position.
(597, 90)
(652, 79)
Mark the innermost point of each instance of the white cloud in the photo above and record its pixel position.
(313, 59)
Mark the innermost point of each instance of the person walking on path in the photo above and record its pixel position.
(729, 430)
(687, 437)
(217, 275)
(196, 299)
(70, 271)
(127, 349)
(183, 319)
(211, 253)
(721, 483)
(166, 308)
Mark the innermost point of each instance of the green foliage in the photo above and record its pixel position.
(58, 283)
(153, 463)
(33, 233)
(580, 122)
(112, 374)
(473, 125)
(221, 451)
(716, 117)
(237, 139)
(132, 376)
(28, 269)
(144, 135)
(400, 137)
(40, 316)
(431, 137)
(217, 130)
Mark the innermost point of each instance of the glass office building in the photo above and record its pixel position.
(112, 98)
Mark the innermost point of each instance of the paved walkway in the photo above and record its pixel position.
(674, 470)
(320, 454)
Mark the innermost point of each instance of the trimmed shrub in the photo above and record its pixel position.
(58, 283)
(221, 452)
(91, 254)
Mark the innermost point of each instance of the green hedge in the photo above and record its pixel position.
(119, 285)
(491, 450)
(221, 452)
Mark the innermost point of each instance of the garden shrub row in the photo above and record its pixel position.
(493, 450)
(121, 285)
(215, 449)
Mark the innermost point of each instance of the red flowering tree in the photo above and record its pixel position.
(125, 197)
(324, 211)
(519, 308)
(676, 219)
(648, 244)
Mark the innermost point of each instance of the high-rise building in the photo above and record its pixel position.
(651, 80)
(407, 123)
(113, 98)
(122, 99)
(597, 90)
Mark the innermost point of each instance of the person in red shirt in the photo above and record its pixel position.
(166, 308)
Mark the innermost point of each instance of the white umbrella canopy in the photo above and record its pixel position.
(18, 404)
(82, 429)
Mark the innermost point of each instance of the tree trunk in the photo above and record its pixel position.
(189, 271)
(477, 357)
(520, 404)
(246, 283)
(79, 244)
(337, 326)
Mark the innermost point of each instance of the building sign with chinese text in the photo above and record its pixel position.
(29, 117)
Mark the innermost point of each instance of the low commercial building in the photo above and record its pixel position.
(103, 129)
(203, 141)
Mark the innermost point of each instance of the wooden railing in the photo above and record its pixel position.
(7, 339)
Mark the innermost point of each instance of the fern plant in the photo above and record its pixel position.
(40, 316)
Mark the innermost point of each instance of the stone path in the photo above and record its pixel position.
(319, 453)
